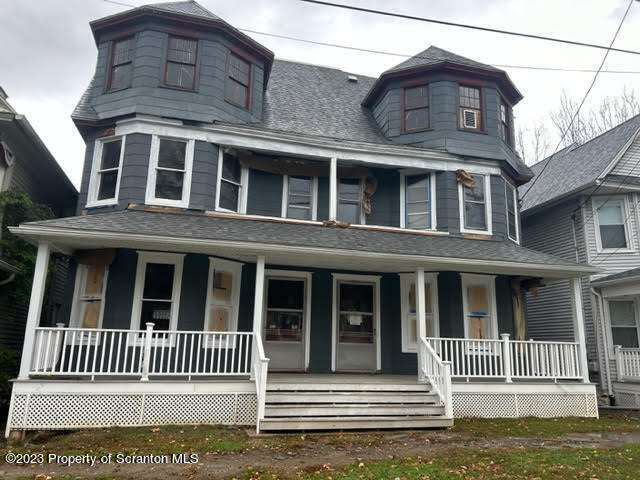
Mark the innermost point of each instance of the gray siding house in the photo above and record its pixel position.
(292, 246)
(584, 207)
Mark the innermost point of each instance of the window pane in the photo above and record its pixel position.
(158, 281)
(416, 97)
(231, 169)
(120, 76)
(180, 75)
(511, 222)
(470, 97)
(475, 193)
(415, 119)
(169, 184)
(283, 326)
(229, 195)
(300, 185)
(474, 216)
(286, 294)
(356, 328)
(299, 201)
(238, 69)
(413, 300)
(156, 312)
(349, 189)
(172, 154)
(510, 199)
(610, 213)
(625, 337)
(349, 212)
(417, 207)
(222, 285)
(236, 92)
(418, 222)
(108, 181)
(622, 313)
(612, 236)
(110, 155)
(122, 51)
(356, 297)
(182, 50)
(299, 213)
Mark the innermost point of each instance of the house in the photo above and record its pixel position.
(584, 207)
(26, 164)
(291, 246)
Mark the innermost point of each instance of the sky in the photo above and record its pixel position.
(47, 52)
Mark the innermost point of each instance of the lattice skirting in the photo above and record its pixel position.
(31, 411)
(493, 405)
(628, 399)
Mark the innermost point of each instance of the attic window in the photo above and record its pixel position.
(180, 70)
(470, 108)
(121, 65)
(416, 108)
(237, 87)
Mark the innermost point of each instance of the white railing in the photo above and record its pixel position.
(438, 373)
(260, 368)
(60, 351)
(628, 363)
(508, 359)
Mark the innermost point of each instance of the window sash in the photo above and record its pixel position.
(479, 180)
(120, 69)
(238, 81)
(83, 300)
(470, 97)
(96, 195)
(512, 218)
(612, 228)
(426, 201)
(182, 54)
(159, 168)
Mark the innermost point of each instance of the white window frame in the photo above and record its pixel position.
(244, 186)
(406, 280)
(508, 185)
(74, 318)
(624, 202)
(363, 216)
(235, 268)
(489, 281)
(314, 196)
(610, 327)
(432, 197)
(145, 257)
(150, 197)
(94, 183)
(487, 206)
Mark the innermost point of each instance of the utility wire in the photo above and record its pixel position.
(584, 99)
(469, 26)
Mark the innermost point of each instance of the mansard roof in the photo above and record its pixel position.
(435, 55)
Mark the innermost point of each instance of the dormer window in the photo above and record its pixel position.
(180, 70)
(416, 108)
(120, 71)
(237, 86)
(470, 112)
(505, 122)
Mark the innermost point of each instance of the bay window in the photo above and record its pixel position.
(106, 170)
(180, 69)
(416, 108)
(121, 67)
(470, 111)
(169, 180)
(237, 89)
(475, 205)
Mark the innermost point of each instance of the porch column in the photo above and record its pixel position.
(258, 297)
(578, 327)
(421, 318)
(35, 308)
(333, 189)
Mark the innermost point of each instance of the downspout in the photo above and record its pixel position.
(605, 348)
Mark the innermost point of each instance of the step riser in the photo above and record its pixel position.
(349, 397)
(347, 387)
(346, 424)
(350, 410)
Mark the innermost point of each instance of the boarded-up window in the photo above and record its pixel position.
(479, 306)
(90, 292)
(223, 296)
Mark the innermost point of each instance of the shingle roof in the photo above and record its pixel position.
(634, 272)
(198, 226)
(434, 55)
(189, 7)
(575, 168)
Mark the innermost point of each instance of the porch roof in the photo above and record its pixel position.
(295, 243)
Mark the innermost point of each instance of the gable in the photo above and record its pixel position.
(629, 162)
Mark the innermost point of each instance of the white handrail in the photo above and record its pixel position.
(628, 363)
(260, 369)
(438, 373)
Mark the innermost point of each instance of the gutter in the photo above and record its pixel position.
(605, 349)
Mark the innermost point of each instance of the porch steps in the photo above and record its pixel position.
(340, 405)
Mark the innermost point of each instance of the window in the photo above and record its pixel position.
(416, 206)
(88, 297)
(105, 177)
(121, 68)
(416, 108)
(237, 86)
(409, 312)
(356, 315)
(180, 70)
(231, 193)
(513, 229)
(479, 304)
(470, 108)
(169, 181)
(285, 309)
(223, 295)
(475, 205)
(624, 325)
(504, 126)
(349, 200)
(611, 224)
(156, 296)
(300, 195)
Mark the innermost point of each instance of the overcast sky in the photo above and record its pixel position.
(47, 53)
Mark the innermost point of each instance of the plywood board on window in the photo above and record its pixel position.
(219, 318)
(477, 295)
(93, 283)
(91, 314)
(222, 284)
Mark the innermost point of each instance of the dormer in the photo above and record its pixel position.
(437, 99)
(175, 60)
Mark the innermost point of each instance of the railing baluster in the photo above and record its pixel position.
(233, 353)
(226, 352)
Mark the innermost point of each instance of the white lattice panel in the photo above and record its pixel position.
(554, 405)
(247, 409)
(484, 405)
(190, 408)
(625, 399)
(524, 405)
(18, 409)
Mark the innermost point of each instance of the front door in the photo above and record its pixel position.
(286, 320)
(356, 322)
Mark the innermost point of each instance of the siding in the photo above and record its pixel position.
(385, 202)
(205, 171)
(447, 202)
(498, 207)
(629, 164)
(135, 169)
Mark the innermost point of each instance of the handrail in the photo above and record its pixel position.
(438, 373)
(627, 363)
(260, 369)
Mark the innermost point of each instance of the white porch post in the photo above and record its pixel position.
(421, 318)
(333, 189)
(578, 327)
(35, 308)
(257, 311)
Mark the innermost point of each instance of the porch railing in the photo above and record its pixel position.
(260, 368)
(509, 359)
(438, 373)
(628, 363)
(60, 351)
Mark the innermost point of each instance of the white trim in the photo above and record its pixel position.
(243, 187)
(607, 319)
(488, 281)
(235, 268)
(508, 185)
(92, 192)
(347, 277)
(333, 189)
(150, 196)
(406, 280)
(144, 258)
(487, 207)
(432, 198)
(80, 279)
(314, 196)
(296, 274)
(624, 202)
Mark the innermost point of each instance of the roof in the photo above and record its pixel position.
(196, 227)
(435, 55)
(620, 277)
(189, 7)
(575, 167)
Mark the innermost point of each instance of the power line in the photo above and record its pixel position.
(584, 99)
(469, 26)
